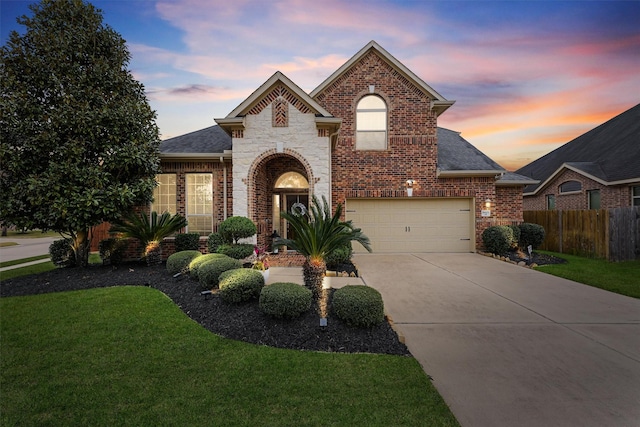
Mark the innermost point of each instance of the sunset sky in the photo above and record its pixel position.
(527, 76)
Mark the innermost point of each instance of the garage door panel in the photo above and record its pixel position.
(416, 225)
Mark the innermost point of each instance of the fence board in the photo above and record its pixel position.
(624, 233)
(610, 234)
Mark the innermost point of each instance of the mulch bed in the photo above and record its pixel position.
(243, 322)
(536, 258)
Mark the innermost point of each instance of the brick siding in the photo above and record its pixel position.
(610, 196)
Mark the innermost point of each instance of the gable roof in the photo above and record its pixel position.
(609, 154)
(440, 104)
(259, 93)
(208, 142)
(457, 157)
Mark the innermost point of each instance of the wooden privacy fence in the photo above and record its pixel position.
(612, 234)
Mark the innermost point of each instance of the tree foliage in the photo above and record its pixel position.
(78, 139)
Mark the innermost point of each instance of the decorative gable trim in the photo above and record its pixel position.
(280, 113)
(277, 85)
(282, 96)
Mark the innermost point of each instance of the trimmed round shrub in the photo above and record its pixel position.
(179, 262)
(194, 265)
(284, 300)
(338, 256)
(209, 272)
(240, 285)
(497, 239)
(187, 242)
(358, 305)
(531, 234)
(213, 241)
(61, 253)
(236, 251)
(235, 228)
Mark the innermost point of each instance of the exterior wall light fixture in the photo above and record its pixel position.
(486, 212)
(410, 184)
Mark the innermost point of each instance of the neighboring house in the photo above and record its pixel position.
(598, 170)
(367, 137)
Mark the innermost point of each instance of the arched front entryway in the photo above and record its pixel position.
(279, 181)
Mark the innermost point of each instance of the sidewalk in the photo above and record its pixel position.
(25, 248)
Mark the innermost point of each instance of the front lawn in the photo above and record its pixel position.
(130, 356)
(619, 277)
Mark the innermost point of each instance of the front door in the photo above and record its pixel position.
(296, 204)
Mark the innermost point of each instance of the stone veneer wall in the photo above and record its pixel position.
(261, 140)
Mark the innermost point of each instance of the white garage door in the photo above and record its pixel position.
(414, 225)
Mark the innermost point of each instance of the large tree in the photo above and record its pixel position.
(78, 139)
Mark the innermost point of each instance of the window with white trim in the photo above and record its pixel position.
(199, 193)
(164, 195)
(371, 123)
(635, 195)
(593, 199)
(551, 202)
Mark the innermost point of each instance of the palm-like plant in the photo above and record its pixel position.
(318, 233)
(149, 230)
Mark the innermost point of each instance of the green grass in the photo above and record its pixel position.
(129, 356)
(5, 244)
(22, 261)
(619, 277)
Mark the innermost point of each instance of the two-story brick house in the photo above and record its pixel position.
(367, 137)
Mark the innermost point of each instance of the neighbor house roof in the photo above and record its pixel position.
(208, 142)
(457, 157)
(439, 103)
(609, 154)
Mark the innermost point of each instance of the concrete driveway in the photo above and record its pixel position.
(509, 346)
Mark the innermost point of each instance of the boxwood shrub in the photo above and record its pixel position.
(235, 228)
(515, 229)
(497, 239)
(358, 305)
(179, 262)
(284, 300)
(194, 265)
(341, 255)
(236, 251)
(187, 242)
(531, 234)
(61, 253)
(209, 272)
(213, 241)
(240, 285)
(112, 250)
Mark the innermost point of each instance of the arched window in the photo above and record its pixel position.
(371, 123)
(291, 180)
(570, 187)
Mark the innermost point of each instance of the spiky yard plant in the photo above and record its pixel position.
(317, 234)
(149, 230)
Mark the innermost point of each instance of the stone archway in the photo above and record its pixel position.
(262, 178)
